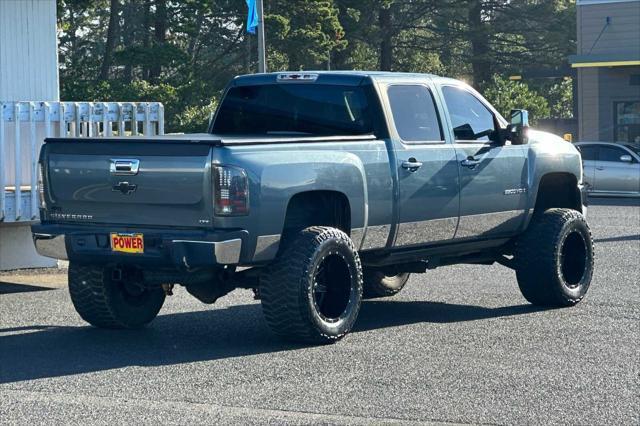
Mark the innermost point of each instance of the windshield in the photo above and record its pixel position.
(633, 148)
(294, 109)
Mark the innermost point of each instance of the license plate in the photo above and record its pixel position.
(127, 243)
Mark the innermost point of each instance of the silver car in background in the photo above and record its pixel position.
(611, 169)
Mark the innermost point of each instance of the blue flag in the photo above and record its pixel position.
(252, 17)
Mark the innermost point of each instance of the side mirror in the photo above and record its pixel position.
(518, 127)
(520, 117)
(626, 158)
(464, 132)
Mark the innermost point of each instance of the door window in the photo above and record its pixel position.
(471, 120)
(588, 152)
(609, 153)
(415, 114)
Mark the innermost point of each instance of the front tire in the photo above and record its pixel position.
(377, 284)
(106, 303)
(554, 258)
(313, 290)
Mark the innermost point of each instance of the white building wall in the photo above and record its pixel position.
(28, 67)
(28, 72)
(28, 51)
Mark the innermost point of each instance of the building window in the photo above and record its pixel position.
(627, 122)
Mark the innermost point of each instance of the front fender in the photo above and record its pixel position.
(548, 154)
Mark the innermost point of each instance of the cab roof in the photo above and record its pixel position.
(350, 78)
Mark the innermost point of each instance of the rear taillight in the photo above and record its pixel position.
(231, 191)
(43, 202)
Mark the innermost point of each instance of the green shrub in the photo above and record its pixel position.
(505, 95)
(195, 119)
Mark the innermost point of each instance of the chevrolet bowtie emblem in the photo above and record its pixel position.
(125, 187)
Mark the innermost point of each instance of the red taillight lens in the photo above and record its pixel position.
(43, 202)
(231, 191)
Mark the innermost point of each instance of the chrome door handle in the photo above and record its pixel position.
(470, 162)
(411, 165)
(599, 168)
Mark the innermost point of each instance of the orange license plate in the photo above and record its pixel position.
(127, 243)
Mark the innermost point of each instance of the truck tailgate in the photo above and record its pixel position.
(93, 182)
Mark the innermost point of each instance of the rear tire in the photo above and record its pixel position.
(105, 303)
(313, 290)
(377, 284)
(554, 258)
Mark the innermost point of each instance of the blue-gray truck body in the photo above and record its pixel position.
(399, 200)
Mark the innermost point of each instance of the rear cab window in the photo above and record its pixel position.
(415, 114)
(303, 109)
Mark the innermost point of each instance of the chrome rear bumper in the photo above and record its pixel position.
(51, 246)
(184, 252)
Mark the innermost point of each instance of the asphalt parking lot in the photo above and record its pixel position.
(458, 345)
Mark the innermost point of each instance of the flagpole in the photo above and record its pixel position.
(262, 61)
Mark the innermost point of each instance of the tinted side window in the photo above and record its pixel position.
(414, 113)
(589, 152)
(469, 116)
(609, 153)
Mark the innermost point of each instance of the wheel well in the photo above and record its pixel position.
(324, 208)
(558, 190)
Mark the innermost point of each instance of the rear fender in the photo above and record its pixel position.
(276, 176)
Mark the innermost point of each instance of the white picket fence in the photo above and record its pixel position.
(25, 125)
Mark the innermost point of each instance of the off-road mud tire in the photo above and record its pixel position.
(377, 284)
(288, 287)
(104, 303)
(554, 258)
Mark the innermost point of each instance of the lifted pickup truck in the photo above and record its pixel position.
(315, 189)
